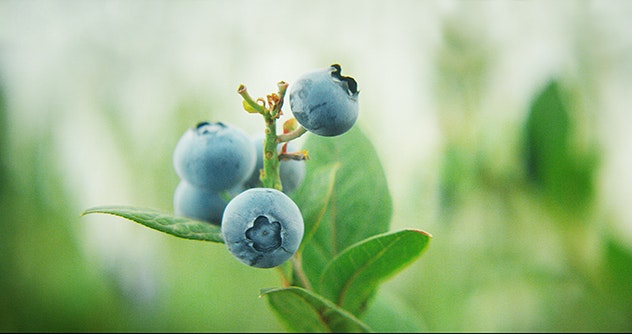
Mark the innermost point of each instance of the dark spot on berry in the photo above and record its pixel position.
(265, 235)
(203, 128)
(349, 82)
(202, 125)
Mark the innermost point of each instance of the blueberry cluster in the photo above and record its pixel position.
(219, 167)
(211, 159)
(215, 162)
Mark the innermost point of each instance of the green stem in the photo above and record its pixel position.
(299, 131)
(297, 266)
(285, 272)
(282, 85)
(249, 101)
(270, 178)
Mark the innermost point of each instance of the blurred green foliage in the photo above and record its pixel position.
(521, 242)
(49, 283)
(565, 175)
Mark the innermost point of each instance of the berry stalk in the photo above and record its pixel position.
(270, 109)
(270, 176)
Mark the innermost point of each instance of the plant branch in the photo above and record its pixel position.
(270, 178)
(299, 131)
(251, 105)
(297, 265)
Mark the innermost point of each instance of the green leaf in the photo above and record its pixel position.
(305, 311)
(390, 314)
(175, 225)
(352, 277)
(564, 172)
(249, 108)
(547, 131)
(360, 205)
(313, 196)
(618, 260)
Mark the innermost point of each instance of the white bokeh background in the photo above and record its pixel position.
(117, 82)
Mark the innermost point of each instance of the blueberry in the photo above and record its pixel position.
(214, 156)
(292, 172)
(262, 227)
(199, 203)
(324, 102)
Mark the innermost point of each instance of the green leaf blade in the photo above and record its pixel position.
(313, 197)
(304, 311)
(181, 227)
(360, 205)
(351, 278)
(389, 313)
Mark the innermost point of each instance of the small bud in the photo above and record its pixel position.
(290, 125)
(248, 107)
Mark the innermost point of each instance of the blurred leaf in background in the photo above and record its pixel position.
(45, 282)
(520, 240)
(553, 164)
